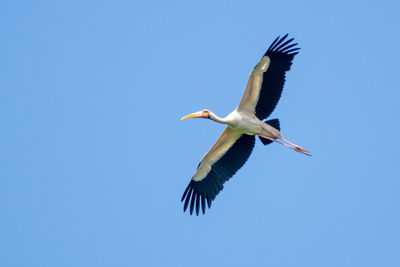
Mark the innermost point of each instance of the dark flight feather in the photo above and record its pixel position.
(274, 78)
(221, 171)
(274, 123)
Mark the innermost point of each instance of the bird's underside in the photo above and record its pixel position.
(236, 143)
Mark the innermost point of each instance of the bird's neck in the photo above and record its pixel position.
(218, 119)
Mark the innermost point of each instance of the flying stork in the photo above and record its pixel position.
(234, 146)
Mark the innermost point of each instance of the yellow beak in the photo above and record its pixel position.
(198, 114)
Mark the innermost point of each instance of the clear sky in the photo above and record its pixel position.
(94, 158)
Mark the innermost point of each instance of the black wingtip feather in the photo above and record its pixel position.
(281, 53)
(279, 42)
(203, 204)
(283, 44)
(209, 202)
(278, 46)
(292, 50)
(187, 198)
(287, 47)
(184, 193)
(205, 190)
(192, 203)
(197, 204)
(273, 43)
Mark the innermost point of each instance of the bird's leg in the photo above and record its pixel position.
(275, 140)
(289, 145)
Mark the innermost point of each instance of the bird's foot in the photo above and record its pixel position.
(301, 150)
(296, 147)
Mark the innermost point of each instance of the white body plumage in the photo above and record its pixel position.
(250, 124)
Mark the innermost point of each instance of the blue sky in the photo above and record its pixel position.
(94, 158)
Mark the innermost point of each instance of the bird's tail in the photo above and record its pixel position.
(274, 123)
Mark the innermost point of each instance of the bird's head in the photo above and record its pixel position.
(205, 114)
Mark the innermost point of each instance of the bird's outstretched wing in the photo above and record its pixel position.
(266, 81)
(220, 163)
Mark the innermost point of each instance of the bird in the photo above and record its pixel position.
(234, 146)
